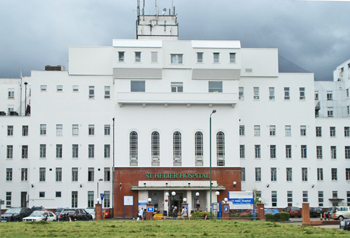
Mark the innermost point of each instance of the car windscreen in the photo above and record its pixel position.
(36, 214)
(68, 211)
(13, 210)
(295, 209)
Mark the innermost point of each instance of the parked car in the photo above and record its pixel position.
(74, 214)
(272, 211)
(329, 213)
(15, 214)
(39, 215)
(91, 211)
(342, 212)
(345, 224)
(315, 211)
(293, 211)
(58, 212)
(107, 215)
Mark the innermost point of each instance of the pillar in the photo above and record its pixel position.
(149, 211)
(305, 213)
(225, 208)
(261, 211)
(166, 202)
(97, 212)
(190, 201)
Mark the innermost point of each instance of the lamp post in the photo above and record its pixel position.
(173, 193)
(211, 208)
(197, 195)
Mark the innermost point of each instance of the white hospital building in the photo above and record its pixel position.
(133, 119)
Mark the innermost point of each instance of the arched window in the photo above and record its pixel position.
(134, 149)
(198, 141)
(155, 148)
(177, 148)
(220, 148)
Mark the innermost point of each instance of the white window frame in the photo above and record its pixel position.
(176, 58)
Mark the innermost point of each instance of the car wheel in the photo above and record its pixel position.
(341, 218)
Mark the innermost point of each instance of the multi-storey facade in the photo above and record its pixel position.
(133, 119)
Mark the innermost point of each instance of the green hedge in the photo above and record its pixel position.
(281, 216)
(238, 215)
(200, 214)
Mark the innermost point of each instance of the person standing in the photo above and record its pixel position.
(141, 213)
(144, 214)
(175, 213)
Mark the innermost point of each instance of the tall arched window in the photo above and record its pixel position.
(177, 148)
(220, 148)
(155, 148)
(198, 140)
(134, 149)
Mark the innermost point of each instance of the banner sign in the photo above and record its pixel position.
(177, 176)
(241, 199)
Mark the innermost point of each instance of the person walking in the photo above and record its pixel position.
(175, 213)
(141, 213)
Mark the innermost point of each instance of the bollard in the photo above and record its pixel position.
(321, 216)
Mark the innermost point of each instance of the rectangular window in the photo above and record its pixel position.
(42, 151)
(332, 131)
(154, 57)
(289, 174)
(91, 92)
(241, 130)
(272, 151)
(216, 57)
(215, 86)
(58, 194)
(333, 152)
(303, 151)
(319, 174)
(121, 56)
(8, 174)
(10, 151)
(242, 151)
(288, 151)
(43, 88)
(91, 173)
(107, 199)
(346, 131)
(232, 57)
(271, 93)
(318, 131)
(334, 174)
(42, 174)
(286, 93)
(347, 92)
(199, 57)
(242, 174)
(303, 130)
(257, 174)
(348, 198)
(107, 92)
(177, 87)
(305, 196)
(334, 194)
(90, 199)
(137, 56)
(8, 199)
(303, 174)
(288, 130)
(329, 111)
(316, 95)
(24, 151)
(74, 174)
(59, 151)
(75, 129)
(289, 198)
(75, 150)
(91, 130)
(256, 93)
(273, 174)
(58, 174)
(241, 93)
(347, 174)
(274, 198)
(107, 151)
(257, 150)
(137, 86)
(176, 58)
(59, 129)
(107, 130)
(25, 130)
(42, 129)
(11, 93)
(320, 198)
(329, 95)
(10, 130)
(347, 152)
(59, 88)
(302, 93)
(256, 130)
(319, 152)
(24, 174)
(74, 199)
(91, 151)
(107, 174)
(272, 130)
(75, 88)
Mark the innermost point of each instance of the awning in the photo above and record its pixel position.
(336, 199)
(177, 188)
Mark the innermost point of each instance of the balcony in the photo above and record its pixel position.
(177, 98)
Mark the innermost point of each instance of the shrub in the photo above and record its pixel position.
(270, 217)
(281, 216)
(200, 214)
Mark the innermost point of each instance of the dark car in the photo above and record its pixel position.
(74, 215)
(293, 211)
(15, 214)
(315, 211)
(58, 212)
(345, 224)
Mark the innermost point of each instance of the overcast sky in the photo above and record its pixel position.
(314, 35)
